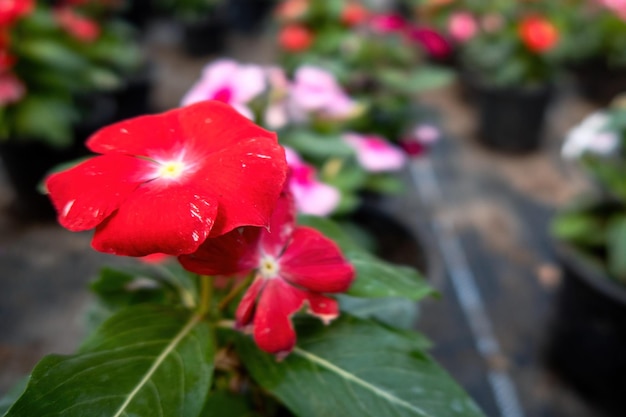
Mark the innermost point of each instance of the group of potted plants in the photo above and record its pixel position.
(64, 70)
(231, 225)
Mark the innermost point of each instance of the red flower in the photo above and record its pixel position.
(432, 41)
(291, 10)
(80, 27)
(387, 23)
(354, 14)
(538, 33)
(12, 10)
(294, 267)
(11, 89)
(167, 182)
(295, 38)
(7, 60)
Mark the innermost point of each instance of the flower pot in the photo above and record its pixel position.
(205, 36)
(247, 16)
(27, 160)
(511, 119)
(597, 82)
(587, 338)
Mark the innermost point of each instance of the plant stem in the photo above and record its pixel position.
(206, 294)
(235, 291)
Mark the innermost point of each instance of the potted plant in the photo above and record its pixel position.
(509, 55)
(58, 65)
(378, 58)
(203, 24)
(222, 329)
(588, 332)
(594, 48)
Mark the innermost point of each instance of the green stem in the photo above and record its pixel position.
(235, 291)
(206, 294)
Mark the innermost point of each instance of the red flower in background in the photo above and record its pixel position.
(295, 266)
(354, 14)
(12, 10)
(6, 60)
(295, 38)
(387, 23)
(538, 33)
(166, 182)
(80, 27)
(11, 89)
(292, 10)
(432, 41)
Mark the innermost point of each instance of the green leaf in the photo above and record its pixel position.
(357, 368)
(48, 119)
(311, 145)
(393, 311)
(617, 249)
(374, 277)
(144, 361)
(223, 404)
(421, 79)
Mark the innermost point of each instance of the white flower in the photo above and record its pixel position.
(590, 136)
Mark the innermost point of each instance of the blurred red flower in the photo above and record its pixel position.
(432, 41)
(294, 267)
(11, 89)
(295, 38)
(538, 33)
(166, 182)
(80, 27)
(354, 14)
(12, 10)
(7, 60)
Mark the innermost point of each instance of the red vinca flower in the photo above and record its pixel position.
(294, 266)
(12, 10)
(166, 182)
(295, 38)
(538, 34)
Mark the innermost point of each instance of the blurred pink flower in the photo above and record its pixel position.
(462, 26)
(387, 23)
(11, 89)
(312, 196)
(617, 6)
(432, 41)
(227, 81)
(420, 139)
(276, 114)
(315, 90)
(374, 153)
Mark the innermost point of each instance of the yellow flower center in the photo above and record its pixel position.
(269, 267)
(171, 169)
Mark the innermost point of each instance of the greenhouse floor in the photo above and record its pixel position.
(481, 217)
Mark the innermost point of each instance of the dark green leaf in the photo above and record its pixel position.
(144, 361)
(223, 404)
(358, 368)
(316, 146)
(394, 311)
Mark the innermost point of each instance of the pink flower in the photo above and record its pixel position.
(294, 266)
(387, 23)
(421, 138)
(617, 6)
(11, 89)
(462, 26)
(374, 153)
(431, 40)
(229, 82)
(276, 113)
(312, 196)
(315, 90)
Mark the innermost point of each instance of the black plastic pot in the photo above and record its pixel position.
(598, 82)
(27, 160)
(204, 37)
(511, 120)
(587, 340)
(248, 16)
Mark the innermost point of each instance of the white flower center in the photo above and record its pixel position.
(171, 169)
(268, 267)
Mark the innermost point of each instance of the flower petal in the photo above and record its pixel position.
(196, 130)
(245, 309)
(230, 253)
(89, 192)
(314, 262)
(282, 224)
(325, 308)
(247, 177)
(173, 219)
(273, 331)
